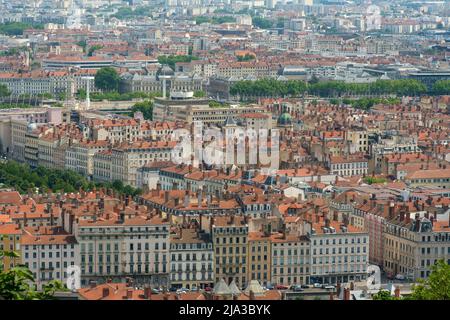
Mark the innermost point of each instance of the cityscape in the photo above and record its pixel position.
(225, 150)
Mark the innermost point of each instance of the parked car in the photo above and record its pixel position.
(208, 289)
(305, 286)
(297, 288)
(324, 285)
(329, 287)
(317, 285)
(270, 286)
(173, 289)
(155, 291)
(400, 277)
(281, 287)
(194, 289)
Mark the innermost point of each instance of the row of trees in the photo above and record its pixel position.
(17, 28)
(23, 179)
(215, 20)
(116, 96)
(171, 59)
(441, 87)
(274, 88)
(127, 12)
(365, 103)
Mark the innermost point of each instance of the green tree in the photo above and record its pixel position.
(436, 286)
(246, 57)
(4, 92)
(383, 295)
(441, 87)
(262, 23)
(107, 79)
(146, 107)
(17, 283)
(17, 28)
(200, 94)
(93, 49)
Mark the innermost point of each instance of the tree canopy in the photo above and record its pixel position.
(17, 283)
(107, 79)
(441, 87)
(272, 88)
(4, 92)
(146, 107)
(17, 28)
(436, 286)
(23, 179)
(262, 23)
(171, 60)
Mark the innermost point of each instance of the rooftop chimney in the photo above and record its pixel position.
(105, 292)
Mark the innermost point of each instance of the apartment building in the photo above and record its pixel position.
(127, 157)
(339, 252)
(192, 259)
(437, 178)
(10, 235)
(52, 149)
(114, 130)
(358, 140)
(412, 244)
(244, 69)
(80, 156)
(259, 264)
(36, 82)
(190, 110)
(348, 166)
(230, 243)
(48, 252)
(290, 259)
(154, 84)
(124, 243)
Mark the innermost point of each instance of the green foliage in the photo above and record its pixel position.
(17, 283)
(23, 178)
(372, 180)
(216, 104)
(272, 88)
(215, 20)
(384, 295)
(268, 88)
(82, 43)
(93, 49)
(146, 107)
(116, 96)
(367, 103)
(199, 94)
(15, 105)
(171, 60)
(12, 52)
(436, 286)
(335, 101)
(17, 28)
(4, 92)
(262, 23)
(127, 12)
(441, 87)
(246, 57)
(107, 79)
